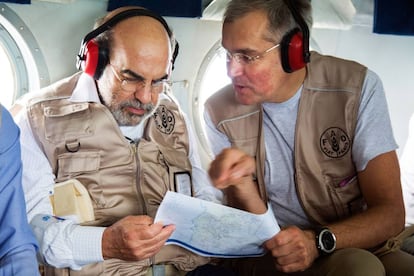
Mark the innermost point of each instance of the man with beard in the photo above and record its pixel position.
(114, 135)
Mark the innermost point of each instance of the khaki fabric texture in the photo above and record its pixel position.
(83, 142)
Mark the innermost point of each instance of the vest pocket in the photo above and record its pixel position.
(154, 179)
(75, 163)
(67, 122)
(160, 168)
(347, 199)
(84, 167)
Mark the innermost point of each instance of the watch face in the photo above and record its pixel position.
(327, 241)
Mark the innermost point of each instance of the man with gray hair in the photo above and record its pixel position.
(309, 136)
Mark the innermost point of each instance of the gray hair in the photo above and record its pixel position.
(280, 17)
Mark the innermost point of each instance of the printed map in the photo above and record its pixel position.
(215, 230)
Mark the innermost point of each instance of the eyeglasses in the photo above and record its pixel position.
(131, 85)
(246, 59)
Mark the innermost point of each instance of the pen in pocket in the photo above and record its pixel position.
(347, 180)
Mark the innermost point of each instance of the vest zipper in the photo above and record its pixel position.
(134, 146)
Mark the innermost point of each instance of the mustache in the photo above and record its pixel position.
(137, 104)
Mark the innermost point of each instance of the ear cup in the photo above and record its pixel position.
(94, 59)
(292, 51)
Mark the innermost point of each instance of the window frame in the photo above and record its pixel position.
(27, 62)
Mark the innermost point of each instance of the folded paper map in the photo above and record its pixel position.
(214, 230)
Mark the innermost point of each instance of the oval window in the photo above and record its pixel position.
(210, 78)
(19, 55)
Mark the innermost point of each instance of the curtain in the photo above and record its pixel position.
(176, 8)
(394, 17)
(17, 1)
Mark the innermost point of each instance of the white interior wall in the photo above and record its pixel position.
(389, 56)
(59, 29)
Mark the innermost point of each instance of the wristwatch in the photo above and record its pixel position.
(325, 241)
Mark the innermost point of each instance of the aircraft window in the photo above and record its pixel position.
(210, 78)
(19, 55)
(6, 78)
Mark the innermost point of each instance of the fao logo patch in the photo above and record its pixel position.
(164, 119)
(334, 142)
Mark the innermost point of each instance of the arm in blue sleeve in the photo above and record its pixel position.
(17, 243)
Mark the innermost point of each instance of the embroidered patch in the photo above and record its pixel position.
(164, 119)
(334, 142)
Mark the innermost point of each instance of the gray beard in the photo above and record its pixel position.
(124, 118)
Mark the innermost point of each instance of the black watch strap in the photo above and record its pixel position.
(325, 241)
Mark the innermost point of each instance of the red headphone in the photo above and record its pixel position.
(93, 58)
(294, 46)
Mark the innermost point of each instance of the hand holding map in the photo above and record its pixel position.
(214, 230)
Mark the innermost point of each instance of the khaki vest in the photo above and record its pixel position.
(325, 129)
(83, 141)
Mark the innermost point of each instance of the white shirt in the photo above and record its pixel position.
(63, 243)
(407, 174)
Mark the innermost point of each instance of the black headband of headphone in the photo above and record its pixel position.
(115, 20)
(304, 28)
